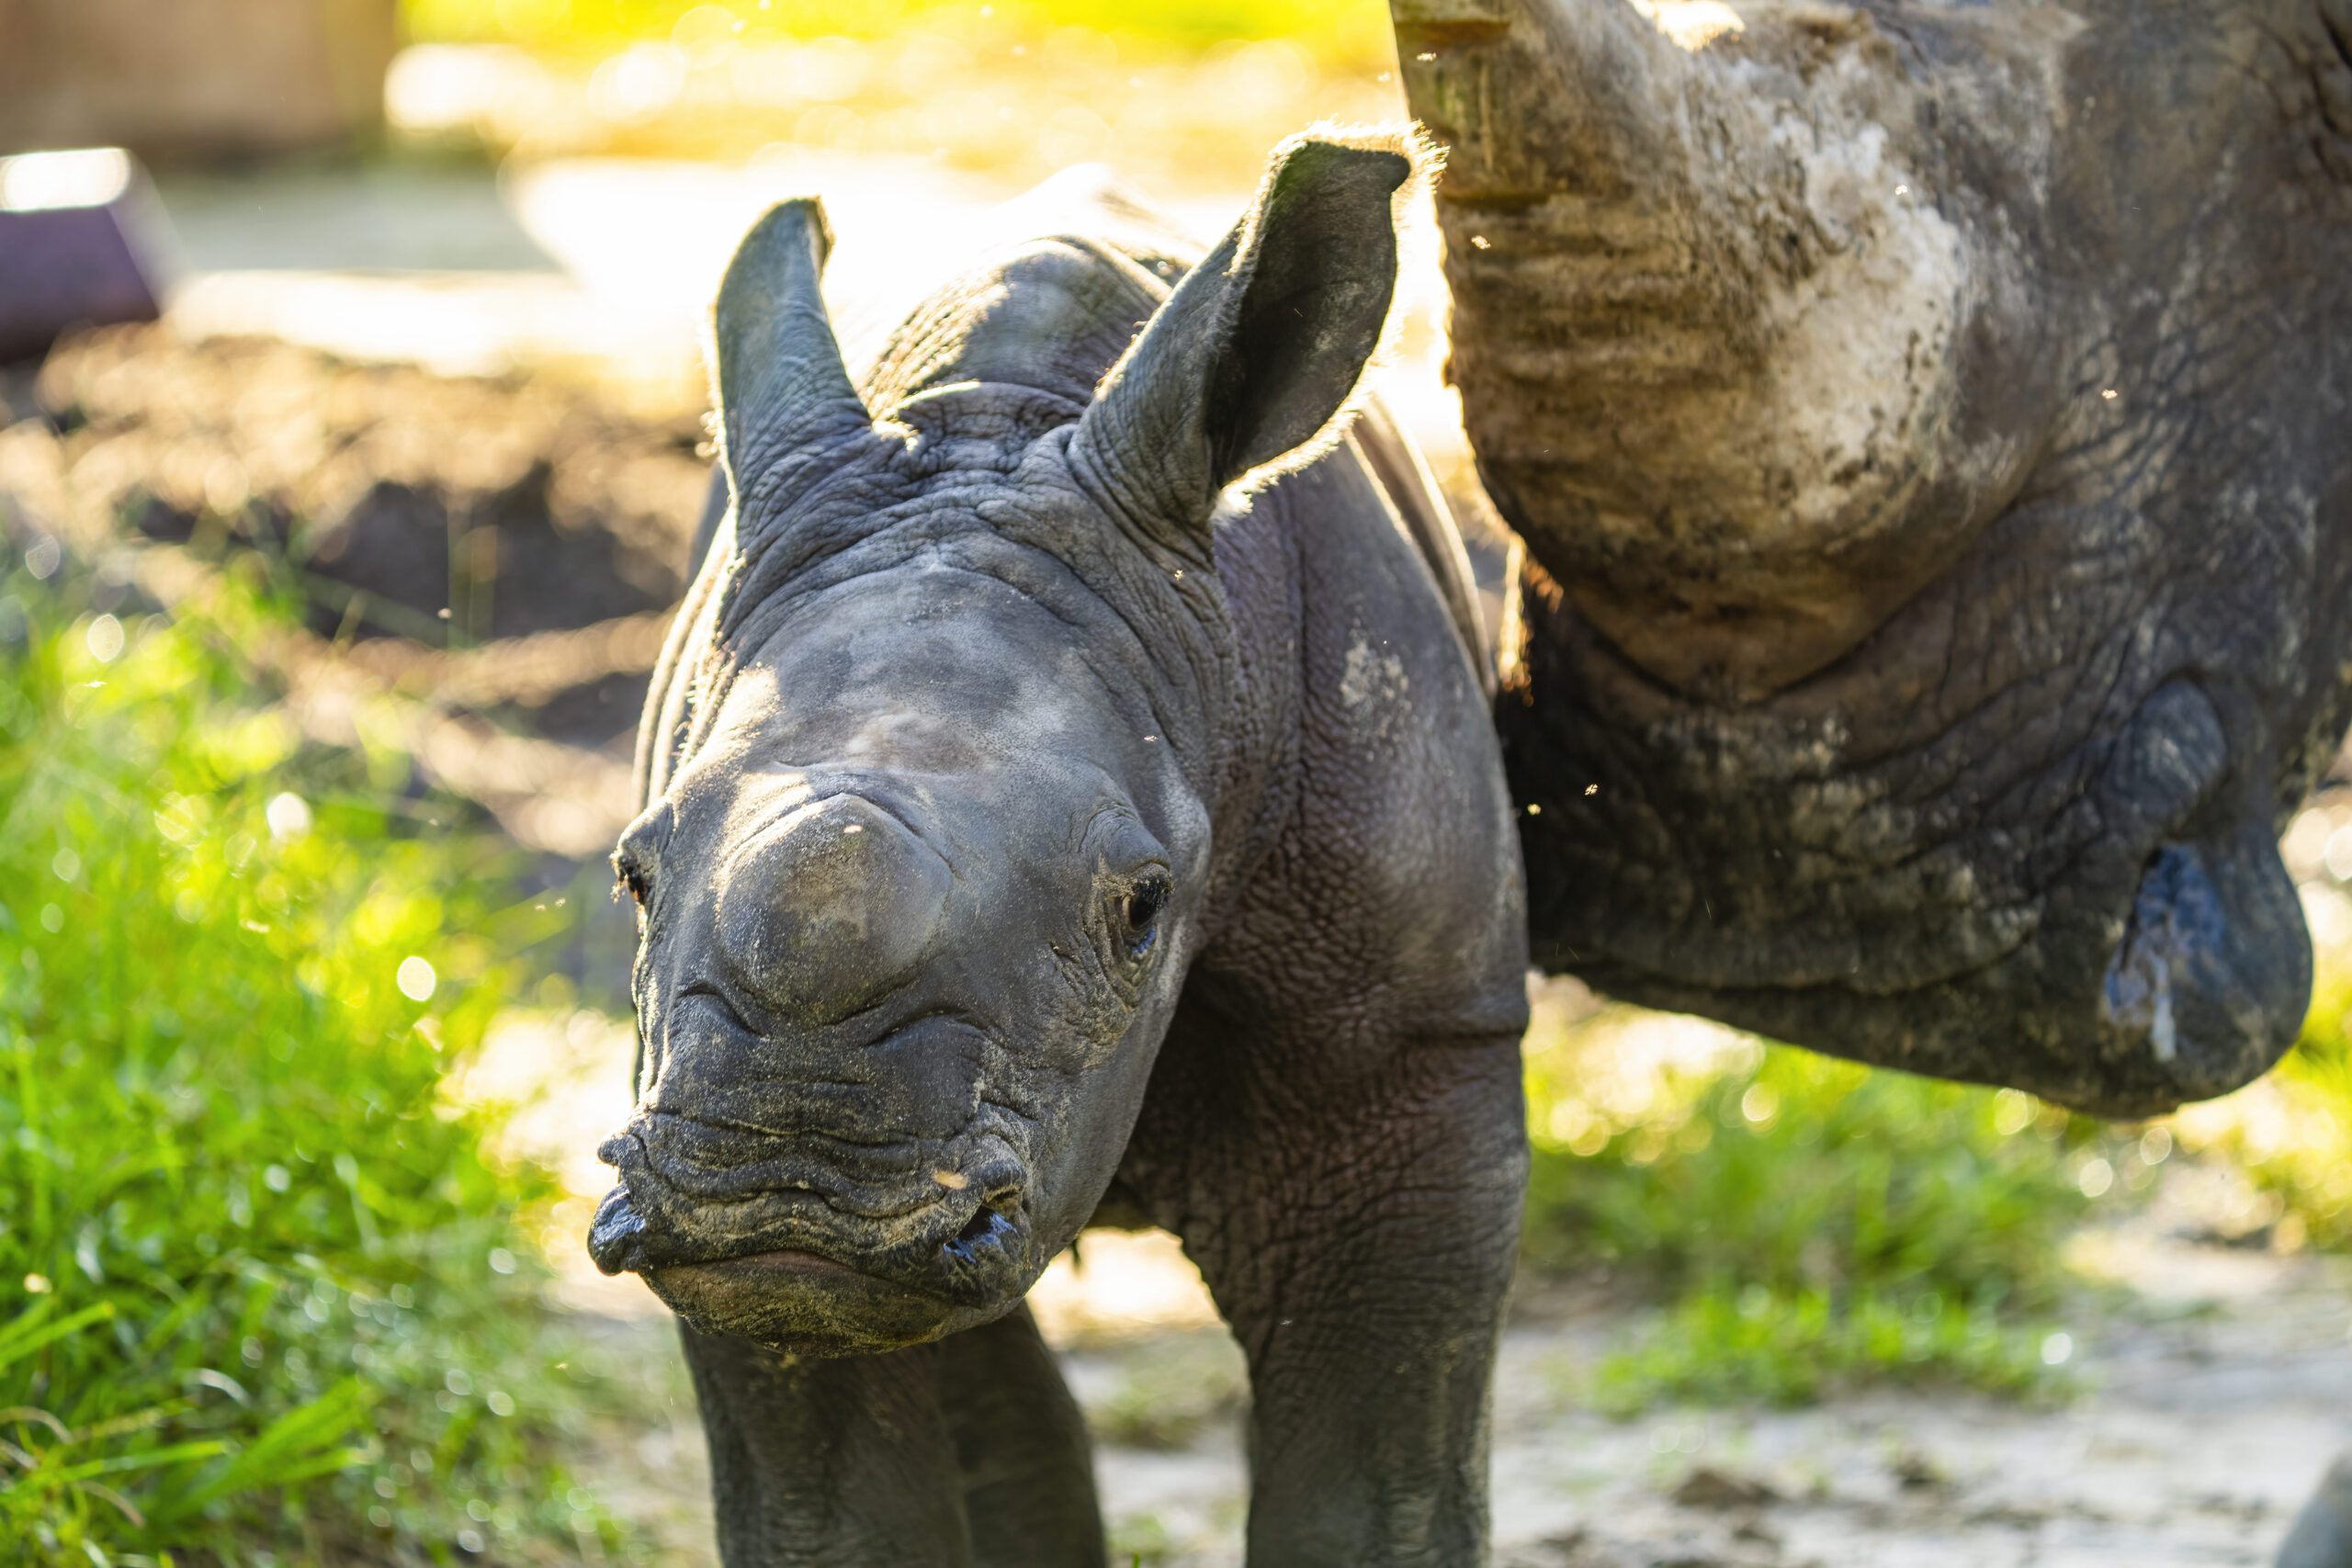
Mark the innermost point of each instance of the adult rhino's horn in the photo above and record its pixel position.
(782, 390)
(1708, 316)
(1531, 97)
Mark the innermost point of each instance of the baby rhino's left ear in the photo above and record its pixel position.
(1243, 371)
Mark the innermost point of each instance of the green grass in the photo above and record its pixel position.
(1808, 1223)
(1181, 97)
(1759, 1345)
(263, 1298)
(2293, 1133)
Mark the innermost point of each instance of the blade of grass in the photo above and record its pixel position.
(285, 1446)
(121, 1464)
(26, 1334)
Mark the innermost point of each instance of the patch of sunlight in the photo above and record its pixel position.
(1597, 1068)
(1692, 24)
(1120, 1284)
(565, 1072)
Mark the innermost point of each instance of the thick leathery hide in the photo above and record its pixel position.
(1926, 426)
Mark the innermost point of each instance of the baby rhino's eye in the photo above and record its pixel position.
(640, 852)
(1141, 908)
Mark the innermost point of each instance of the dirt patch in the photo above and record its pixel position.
(452, 511)
(2204, 1419)
(506, 549)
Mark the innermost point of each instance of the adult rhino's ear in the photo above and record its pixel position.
(1245, 370)
(782, 392)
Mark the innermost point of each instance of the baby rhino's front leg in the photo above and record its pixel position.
(1361, 1254)
(969, 1453)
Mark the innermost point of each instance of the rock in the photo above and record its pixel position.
(1916, 1471)
(1707, 1487)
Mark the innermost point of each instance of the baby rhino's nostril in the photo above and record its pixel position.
(829, 909)
(988, 1232)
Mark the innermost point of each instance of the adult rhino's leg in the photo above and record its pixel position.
(829, 1463)
(2323, 1534)
(1028, 1473)
(1358, 1236)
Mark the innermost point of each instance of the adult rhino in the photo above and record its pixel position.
(1070, 783)
(1930, 428)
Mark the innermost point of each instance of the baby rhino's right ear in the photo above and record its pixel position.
(782, 390)
(1244, 372)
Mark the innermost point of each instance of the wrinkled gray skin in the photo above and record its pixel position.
(1032, 834)
(1930, 427)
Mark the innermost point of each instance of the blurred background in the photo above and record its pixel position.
(351, 436)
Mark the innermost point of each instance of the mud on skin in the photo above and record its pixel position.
(1925, 423)
(1070, 789)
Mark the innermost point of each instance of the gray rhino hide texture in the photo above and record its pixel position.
(1071, 791)
(1930, 428)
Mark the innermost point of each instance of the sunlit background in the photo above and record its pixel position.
(330, 599)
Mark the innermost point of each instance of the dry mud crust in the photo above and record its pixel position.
(516, 504)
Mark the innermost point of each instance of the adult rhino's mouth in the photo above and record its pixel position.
(790, 1248)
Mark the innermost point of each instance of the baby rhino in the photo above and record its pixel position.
(1070, 793)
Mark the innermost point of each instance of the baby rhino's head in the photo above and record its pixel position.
(933, 766)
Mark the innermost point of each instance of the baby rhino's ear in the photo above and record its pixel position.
(1245, 369)
(783, 394)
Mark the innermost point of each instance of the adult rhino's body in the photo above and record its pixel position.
(1021, 814)
(1930, 425)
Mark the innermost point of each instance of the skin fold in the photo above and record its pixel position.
(1926, 424)
(1069, 791)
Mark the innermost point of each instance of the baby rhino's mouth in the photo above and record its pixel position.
(787, 1261)
(619, 1242)
(873, 1262)
(829, 1297)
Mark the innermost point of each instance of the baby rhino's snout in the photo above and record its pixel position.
(831, 910)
